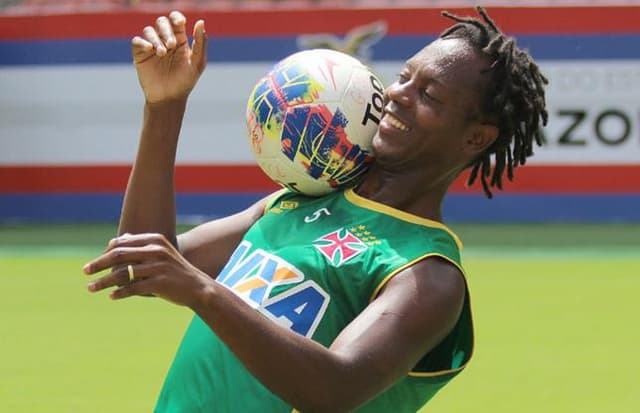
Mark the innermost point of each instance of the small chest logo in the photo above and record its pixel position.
(284, 206)
(340, 246)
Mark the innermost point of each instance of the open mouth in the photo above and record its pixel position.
(396, 123)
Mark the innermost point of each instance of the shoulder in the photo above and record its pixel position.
(431, 294)
(434, 276)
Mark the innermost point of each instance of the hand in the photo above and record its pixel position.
(159, 270)
(167, 67)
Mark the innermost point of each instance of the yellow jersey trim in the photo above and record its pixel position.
(393, 274)
(356, 199)
(436, 373)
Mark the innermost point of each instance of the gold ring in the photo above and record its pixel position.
(130, 271)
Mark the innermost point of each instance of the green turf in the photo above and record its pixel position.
(555, 310)
(551, 336)
(64, 350)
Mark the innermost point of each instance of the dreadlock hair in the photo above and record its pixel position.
(514, 99)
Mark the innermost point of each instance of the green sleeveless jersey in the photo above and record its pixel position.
(312, 265)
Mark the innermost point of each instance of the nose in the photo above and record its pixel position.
(399, 93)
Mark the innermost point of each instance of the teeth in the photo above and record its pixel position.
(395, 122)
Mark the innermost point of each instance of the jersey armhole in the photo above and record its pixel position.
(386, 279)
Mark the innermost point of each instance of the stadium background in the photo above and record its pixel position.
(553, 260)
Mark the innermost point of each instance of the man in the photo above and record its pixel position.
(378, 328)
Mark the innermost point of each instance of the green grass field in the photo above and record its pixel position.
(556, 310)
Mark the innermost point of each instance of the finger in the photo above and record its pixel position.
(165, 31)
(112, 241)
(123, 256)
(150, 35)
(120, 276)
(136, 240)
(141, 49)
(179, 23)
(142, 287)
(199, 47)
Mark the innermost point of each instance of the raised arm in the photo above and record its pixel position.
(168, 69)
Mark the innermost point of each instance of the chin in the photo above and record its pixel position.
(383, 149)
(378, 147)
(384, 152)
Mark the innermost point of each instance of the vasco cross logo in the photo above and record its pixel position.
(340, 246)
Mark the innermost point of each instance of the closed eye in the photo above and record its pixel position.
(402, 77)
(429, 97)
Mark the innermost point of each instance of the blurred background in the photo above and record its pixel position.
(70, 105)
(553, 261)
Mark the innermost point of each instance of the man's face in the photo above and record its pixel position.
(432, 108)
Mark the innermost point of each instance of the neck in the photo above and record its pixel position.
(418, 193)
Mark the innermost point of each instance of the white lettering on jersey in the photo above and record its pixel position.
(316, 215)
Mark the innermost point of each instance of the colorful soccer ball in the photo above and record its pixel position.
(311, 120)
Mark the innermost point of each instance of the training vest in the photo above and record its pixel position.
(312, 265)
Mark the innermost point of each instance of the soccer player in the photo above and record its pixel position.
(352, 301)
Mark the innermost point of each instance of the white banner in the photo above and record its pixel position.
(92, 114)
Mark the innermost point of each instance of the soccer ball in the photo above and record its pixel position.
(311, 120)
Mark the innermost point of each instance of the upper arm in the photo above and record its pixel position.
(416, 310)
(209, 246)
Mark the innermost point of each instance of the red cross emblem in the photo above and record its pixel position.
(339, 246)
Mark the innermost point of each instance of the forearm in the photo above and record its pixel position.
(307, 375)
(149, 201)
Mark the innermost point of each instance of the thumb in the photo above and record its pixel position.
(199, 46)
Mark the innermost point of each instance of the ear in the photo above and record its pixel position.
(481, 137)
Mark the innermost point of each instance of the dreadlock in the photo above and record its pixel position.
(514, 99)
